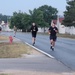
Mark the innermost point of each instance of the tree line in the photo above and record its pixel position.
(3, 18)
(69, 14)
(42, 16)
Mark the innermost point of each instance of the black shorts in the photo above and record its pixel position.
(53, 38)
(34, 34)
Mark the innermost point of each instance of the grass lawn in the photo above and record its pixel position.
(4, 38)
(13, 50)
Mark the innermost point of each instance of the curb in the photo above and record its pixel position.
(37, 49)
(40, 51)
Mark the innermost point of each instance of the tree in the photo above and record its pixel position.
(69, 14)
(3, 18)
(37, 17)
(43, 15)
(26, 21)
(16, 20)
(20, 20)
(49, 13)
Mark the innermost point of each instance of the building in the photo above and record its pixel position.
(58, 22)
(59, 25)
(5, 26)
(62, 28)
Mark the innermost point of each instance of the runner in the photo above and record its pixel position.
(15, 30)
(52, 31)
(0, 29)
(34, 30)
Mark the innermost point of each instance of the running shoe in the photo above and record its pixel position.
(52, 49)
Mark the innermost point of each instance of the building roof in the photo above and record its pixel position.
(60, 20)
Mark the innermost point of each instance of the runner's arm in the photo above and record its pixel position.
(56, 30)
(49, 31)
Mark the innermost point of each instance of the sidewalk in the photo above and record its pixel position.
(36, 64)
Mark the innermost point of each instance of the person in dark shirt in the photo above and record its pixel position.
(0, 29)
(34, 30)
(53, 31)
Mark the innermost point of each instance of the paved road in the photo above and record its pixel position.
(64, 50)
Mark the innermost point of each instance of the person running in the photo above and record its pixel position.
(0, 29)
(15, 30)
(34, 30)
(52, 31)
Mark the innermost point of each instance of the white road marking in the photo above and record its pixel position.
(40, 50)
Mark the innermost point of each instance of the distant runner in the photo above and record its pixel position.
(52, 31)
(34, 30)
(15, 30)
(0, 29)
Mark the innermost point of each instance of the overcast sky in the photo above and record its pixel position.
(7, 7)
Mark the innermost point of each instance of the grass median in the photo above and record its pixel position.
(15, 49)
(4, 38)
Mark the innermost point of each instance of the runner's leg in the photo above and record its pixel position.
(54, 40)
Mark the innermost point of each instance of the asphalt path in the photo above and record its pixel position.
(64, 49)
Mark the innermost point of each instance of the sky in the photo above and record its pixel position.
(7, 7)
